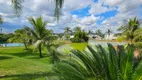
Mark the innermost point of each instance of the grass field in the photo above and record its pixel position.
(19, 64)
(79, 46)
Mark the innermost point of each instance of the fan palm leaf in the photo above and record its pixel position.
(105, 64)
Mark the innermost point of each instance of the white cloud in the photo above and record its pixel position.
(126, 9)
(111, 3)
(71, 5)
(98, 8)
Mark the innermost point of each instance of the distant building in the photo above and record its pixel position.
(72, 36)
(93, 36)
(110, 37)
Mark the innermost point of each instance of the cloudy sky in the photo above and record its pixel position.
(88, 14)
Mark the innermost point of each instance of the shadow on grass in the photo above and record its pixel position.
(28, 54)
(5, 57)
(23, 53)
(28, 76)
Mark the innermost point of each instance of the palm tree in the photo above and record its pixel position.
(129, 29)
(138, 35)
(108, 32)
(123, 28)
(67, 30)
(101, 64)
(39, 32)
(99, 33)
(90, 32)
(1, 21)
(58, 5)
(77, 29)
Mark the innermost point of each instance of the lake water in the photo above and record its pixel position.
(12, 44)
(104, 43)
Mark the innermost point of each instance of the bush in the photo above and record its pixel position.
(139, 45)
(80, 36)
(86, 38)
(76, 40)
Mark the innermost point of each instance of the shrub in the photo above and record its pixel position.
(86, 38)
(101, 64)
(80, 36)
(138, 45)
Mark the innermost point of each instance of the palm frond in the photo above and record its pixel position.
(17, 6)
(1, 19)
(68, 71)
(58, 6)
(104, 64)
(138, 73)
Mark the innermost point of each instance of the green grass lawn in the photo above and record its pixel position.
(79, 46)
(19, 64)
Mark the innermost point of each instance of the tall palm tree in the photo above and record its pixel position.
(67, 30)
(90, 32)
(58, 5)
(129, 29)
(108, 32)
(99, 33)
(39, 32)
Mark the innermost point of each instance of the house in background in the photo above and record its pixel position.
(110, 37)
(93, 36)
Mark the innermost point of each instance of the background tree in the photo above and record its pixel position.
(138, 35)
(5, 37)
(77, 29)
(108, 32)
(67, 32)
(99, 33)
(57, 11)
(90, 32)
(80, 35)
(129, 29)
(21, 36)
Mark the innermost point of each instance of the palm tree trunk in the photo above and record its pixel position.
(40, 51)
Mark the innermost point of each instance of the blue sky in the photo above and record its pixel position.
(87, 14)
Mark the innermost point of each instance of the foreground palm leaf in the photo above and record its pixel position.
(102, 64)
